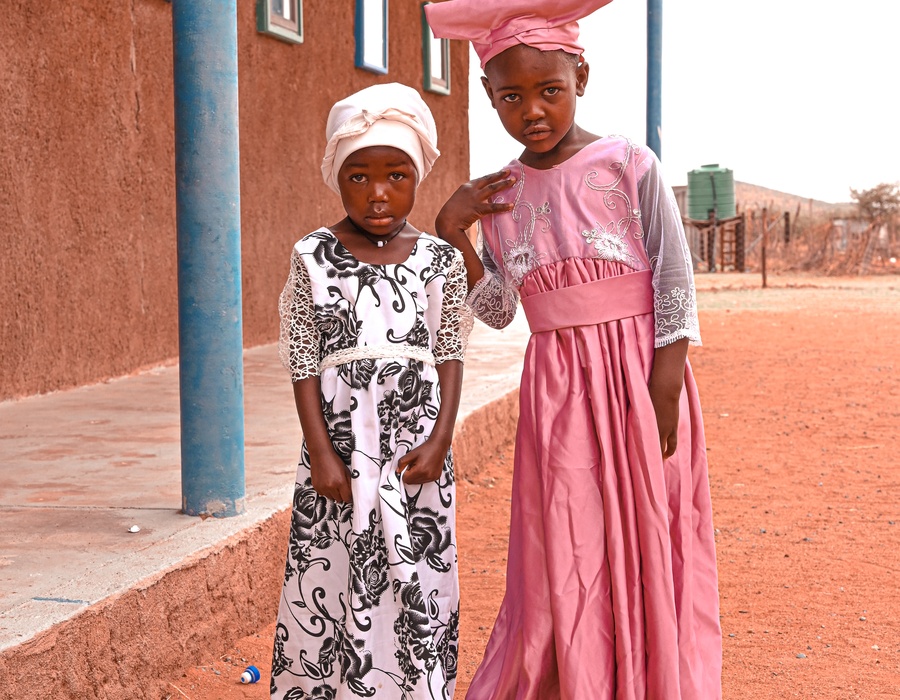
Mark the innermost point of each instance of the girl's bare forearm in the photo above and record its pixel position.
(667, 376)
(308, 399)
(474, 267)
(459, 239)
(450, 376)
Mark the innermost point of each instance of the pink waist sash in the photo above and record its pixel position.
(588, 304)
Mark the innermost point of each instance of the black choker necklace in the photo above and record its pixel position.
(380, 241)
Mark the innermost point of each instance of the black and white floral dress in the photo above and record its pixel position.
(370, 603)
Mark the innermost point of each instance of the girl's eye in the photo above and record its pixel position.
(357, 178)
(396, 177)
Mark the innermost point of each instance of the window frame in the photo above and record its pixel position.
(363, 8)
(431, 82)
(267, 23)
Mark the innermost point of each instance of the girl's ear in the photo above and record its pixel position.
(486, 84)
(581, 77)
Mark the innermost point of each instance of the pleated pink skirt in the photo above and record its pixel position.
(612, 590)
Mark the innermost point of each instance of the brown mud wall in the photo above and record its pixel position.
(119, 648)
(87, 197)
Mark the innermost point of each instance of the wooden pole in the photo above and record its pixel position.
(765, 242)
(740, 241)
(724, 232)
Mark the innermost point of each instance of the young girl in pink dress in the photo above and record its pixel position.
(611, 584)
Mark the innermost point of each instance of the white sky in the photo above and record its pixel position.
(802, 96)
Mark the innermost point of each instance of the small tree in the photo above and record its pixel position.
(880, 207)
(879, 203)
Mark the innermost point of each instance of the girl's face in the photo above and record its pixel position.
(534, 93)
(378, 188)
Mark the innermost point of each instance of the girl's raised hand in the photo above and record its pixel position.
(470, 202)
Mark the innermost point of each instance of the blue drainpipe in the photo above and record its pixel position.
(654, 75)
(207, 194)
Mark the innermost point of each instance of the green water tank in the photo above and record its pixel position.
(710, 188)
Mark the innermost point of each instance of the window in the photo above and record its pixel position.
(435, 59)
(372, 35)
(282, 19)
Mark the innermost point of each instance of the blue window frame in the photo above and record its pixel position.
(372, 35)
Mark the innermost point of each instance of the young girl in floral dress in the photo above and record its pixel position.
(611, 583)
(374, 327)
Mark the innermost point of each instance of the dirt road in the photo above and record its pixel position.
(800, 385)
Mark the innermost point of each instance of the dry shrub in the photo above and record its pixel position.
(827, 246)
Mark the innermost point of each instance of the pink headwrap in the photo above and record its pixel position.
(495, 25)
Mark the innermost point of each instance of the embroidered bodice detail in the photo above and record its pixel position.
(609, 244)
(609, 239)
(519, 254)
(614, 194)
(608, 201)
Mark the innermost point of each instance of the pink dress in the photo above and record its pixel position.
(612, 590)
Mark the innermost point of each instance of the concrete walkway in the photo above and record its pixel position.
(89, 609)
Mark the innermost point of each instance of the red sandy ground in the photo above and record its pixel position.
(801, 396)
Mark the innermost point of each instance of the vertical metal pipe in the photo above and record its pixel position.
(207, 180)
(654, 76)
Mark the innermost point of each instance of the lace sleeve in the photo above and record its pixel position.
(298, 344)
(492, 300)
(674, 296)
(456, 315)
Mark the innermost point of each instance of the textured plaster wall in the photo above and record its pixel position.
(127, 646)
(87, 199)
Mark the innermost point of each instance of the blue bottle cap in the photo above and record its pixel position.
(250, 675)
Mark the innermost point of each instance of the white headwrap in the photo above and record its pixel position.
(389, 114)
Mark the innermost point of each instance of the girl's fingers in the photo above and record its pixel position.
(502, 184)
(485, 179)
(493, 208)
(404, 464)
(414, 477)
(671, 444)
(668, 445)
(492, 188)
(494, 183)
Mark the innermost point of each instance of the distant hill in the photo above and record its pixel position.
(756, 197)
(749, 197)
